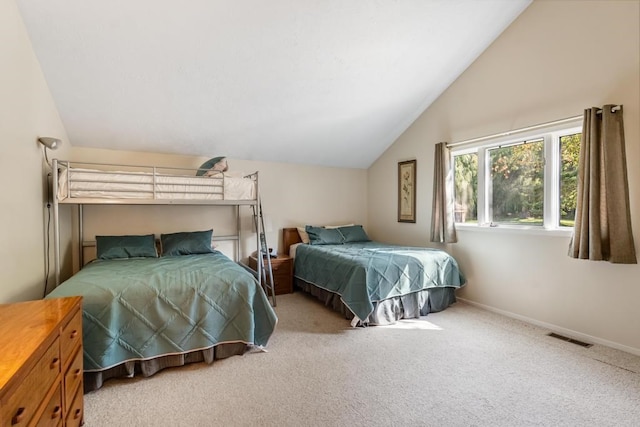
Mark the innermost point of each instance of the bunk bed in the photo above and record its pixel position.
(144, 311)
(371, 283)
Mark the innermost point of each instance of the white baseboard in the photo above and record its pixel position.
(555, 328)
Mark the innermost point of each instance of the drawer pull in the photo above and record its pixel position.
(73, 334)
(18, 417)
(54, 363)
(56, 413)
(77, 413)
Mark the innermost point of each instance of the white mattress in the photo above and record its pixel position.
(292, 249)
(89, 183)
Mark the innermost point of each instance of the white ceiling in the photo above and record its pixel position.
(321, 82)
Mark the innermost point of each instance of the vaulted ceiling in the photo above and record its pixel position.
(330, 82)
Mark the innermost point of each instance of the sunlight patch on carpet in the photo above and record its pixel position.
(413, 324)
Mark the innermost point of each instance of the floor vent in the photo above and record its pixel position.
(571, 340)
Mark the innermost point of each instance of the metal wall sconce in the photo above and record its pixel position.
(50, 143)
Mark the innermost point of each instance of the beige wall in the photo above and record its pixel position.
(292, 195)
(27, 111)
(556, 59)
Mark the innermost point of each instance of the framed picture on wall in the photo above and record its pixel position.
(407, 191)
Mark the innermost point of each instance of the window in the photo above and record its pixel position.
(524, 182)
(516, 190)
(569, 156)
(466, 185)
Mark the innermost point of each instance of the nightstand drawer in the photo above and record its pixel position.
(282, 280)
(282, 269)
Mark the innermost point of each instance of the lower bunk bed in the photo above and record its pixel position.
(141, 315)
(373, 283)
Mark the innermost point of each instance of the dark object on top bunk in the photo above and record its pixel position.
(213, 166)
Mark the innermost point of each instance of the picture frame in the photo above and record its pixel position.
(407, 191)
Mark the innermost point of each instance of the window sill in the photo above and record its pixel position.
(506, 229)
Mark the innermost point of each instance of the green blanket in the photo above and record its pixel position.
(141, 308)
(367, 272)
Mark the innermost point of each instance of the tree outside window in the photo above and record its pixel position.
(517, 183)
(569, 156)
(466, 184)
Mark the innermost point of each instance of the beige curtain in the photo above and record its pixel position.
(443, 228)
(602, 229)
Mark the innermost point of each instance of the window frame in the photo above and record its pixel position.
(552, 163)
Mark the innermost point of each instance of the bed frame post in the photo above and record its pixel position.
(80, 238)
(56, 222)
(257, 230)
(238, 233)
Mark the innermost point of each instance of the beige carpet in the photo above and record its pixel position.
(461, 367)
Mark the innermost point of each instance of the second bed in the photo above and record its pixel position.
(375, 283)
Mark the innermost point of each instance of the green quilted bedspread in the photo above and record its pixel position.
(136, 309)
(366, 272)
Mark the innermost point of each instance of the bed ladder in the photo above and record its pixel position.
(263, 256)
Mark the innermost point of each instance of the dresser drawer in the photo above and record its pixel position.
(76, 411)
(52, 414)
(22, 404)
(72, 379)
(70, 338)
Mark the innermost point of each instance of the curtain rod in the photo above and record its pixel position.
(525, 129)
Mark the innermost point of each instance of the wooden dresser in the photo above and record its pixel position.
(41, 363)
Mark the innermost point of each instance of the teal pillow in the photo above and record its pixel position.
(324, 236)
(354, 233)
(112, 247)
(206, 166)
(186, 243)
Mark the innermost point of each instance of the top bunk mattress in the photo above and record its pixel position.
(76, 183)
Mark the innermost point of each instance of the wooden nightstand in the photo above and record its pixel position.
(282, 268)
